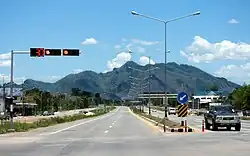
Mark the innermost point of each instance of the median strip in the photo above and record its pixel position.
(170, 126)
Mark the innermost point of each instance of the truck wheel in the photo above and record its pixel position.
(238, 127)
(207, 126)
(215, 128)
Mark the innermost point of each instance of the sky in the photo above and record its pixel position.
(217, 41)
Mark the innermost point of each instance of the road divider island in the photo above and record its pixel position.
(164, 123)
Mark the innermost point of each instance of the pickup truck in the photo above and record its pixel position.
(222, 116)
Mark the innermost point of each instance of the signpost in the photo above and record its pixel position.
(182, 109)
(182, 98)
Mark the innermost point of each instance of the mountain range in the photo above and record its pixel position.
(117, 83)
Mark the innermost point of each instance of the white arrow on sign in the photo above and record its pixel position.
(181, 98)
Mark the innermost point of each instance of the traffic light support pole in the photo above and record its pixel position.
(11, 83)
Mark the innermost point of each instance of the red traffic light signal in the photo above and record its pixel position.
(71, 52)
(37, 52)
(53, 52)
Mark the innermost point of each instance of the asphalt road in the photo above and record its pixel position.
(119, 133)
(196, 121)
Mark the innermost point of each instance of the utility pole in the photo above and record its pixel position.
(149, 100)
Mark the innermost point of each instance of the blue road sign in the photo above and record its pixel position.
(182, 97)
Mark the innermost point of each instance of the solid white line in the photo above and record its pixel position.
(106, 131)
(110, 126)
(58, 131)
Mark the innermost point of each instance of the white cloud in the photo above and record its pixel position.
(6, 78)
(235, 72)
(141, 49)
(5, 60)
(233, 21)
(75, 71)
(147, 43)
(5, 56)
(118, 61)
(117, 47)
(144, 60)
(203, 51)
(51, 78)
(5, 63)
(89, 41)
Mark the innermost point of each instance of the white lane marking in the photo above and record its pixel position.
(106, 131)
(113, 123)
(58, 131)
(110, 126)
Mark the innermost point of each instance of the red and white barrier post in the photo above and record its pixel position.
(202, 126)
(185, 125)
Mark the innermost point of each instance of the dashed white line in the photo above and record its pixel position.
(106, 131)
(110, 126)
(82, 123)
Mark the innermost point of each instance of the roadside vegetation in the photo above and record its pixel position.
(240, 98)
(45, 122)
(77, 99)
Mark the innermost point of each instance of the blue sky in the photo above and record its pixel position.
(217, 41)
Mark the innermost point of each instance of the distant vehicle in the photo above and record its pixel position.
(222, 116)
(154, 110)
(47, 113)
(172, 111)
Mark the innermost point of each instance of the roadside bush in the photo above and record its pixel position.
(21, 127)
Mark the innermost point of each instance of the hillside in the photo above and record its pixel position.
(117, 82)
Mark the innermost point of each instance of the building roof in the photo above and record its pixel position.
(204, 93)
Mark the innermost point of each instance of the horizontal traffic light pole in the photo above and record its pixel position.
(41, 52)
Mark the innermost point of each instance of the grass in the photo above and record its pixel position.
(168, 122)
(245, 118)
(45, 122)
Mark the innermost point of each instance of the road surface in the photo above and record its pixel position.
(119, 133)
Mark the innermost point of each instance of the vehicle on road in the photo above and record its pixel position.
(222, 116)
(172, 111)
(47, 113)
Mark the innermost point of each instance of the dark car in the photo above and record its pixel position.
(246, 113)
(222, 116)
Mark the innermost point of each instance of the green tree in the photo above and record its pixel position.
(240, 97)
(75, 91)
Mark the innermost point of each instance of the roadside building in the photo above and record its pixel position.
(202, 99)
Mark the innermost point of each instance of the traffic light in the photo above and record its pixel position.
(71, 52)
(37, 52)
(53, 52)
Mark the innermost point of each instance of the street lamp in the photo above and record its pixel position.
(165, 44)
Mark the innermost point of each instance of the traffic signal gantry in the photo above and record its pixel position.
(41, 52)
(34, 52)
